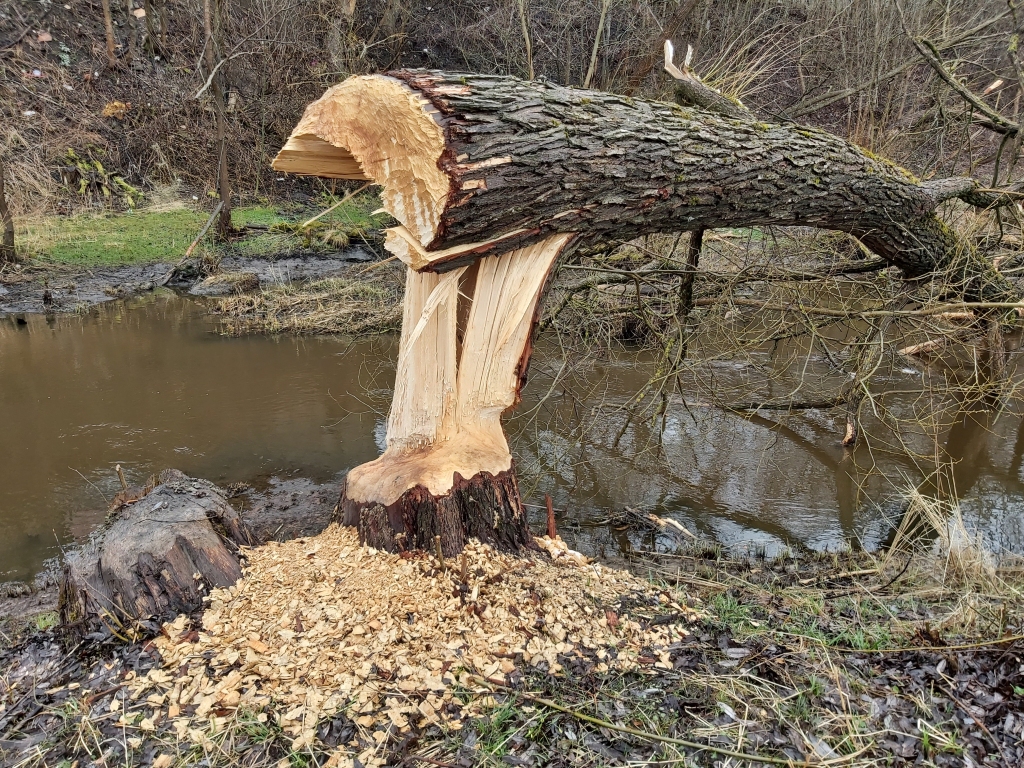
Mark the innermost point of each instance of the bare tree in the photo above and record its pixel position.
(7, 254)
(108, 26)
(527, 41)
(215, 77)
(588, 80)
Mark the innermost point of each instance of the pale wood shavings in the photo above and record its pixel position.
(322, 625)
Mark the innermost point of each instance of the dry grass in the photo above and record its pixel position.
(359, 303)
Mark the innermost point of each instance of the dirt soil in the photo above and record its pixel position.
(24, 289)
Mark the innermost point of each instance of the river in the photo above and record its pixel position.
(150, 383)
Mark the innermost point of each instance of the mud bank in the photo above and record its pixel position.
(38, 288)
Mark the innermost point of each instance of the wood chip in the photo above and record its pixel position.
(386, 638)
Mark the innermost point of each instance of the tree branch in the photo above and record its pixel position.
(692, 91)
(995, 122)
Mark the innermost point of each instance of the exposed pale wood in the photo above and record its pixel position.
(446, 416)
(390, 133)
(311, 155)
(403, 244)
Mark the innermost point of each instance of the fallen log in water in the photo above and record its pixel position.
(155, 557)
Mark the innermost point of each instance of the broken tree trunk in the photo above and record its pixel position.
(157, 556)
(518, 171)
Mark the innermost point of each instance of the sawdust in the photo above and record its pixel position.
(323, 625)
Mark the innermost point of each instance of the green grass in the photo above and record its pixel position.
(147, 236)
(47, 621)
(111, 239)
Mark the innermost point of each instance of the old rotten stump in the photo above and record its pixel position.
(155, 557)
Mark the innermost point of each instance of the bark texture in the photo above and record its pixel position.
(485, 506)
(156, 557)
(537, 158)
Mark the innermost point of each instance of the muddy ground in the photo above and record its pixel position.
(40, 288)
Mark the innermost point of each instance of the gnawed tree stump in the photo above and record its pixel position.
(155, 557)
(519, 172)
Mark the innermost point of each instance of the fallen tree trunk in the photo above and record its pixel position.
(476, 165)
(157, 557)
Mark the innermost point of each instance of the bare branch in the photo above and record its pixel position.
(692, 91)
(995, 122)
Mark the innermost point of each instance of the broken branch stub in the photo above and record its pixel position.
(519, 171)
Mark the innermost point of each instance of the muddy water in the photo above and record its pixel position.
(150, 384)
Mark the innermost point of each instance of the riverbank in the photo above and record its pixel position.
(830, 658)
(71, 263)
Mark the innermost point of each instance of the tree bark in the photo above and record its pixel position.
(212, 58)
(108, 28)
(520, 161)
(156, 557)
(518, 171)
(7, 252)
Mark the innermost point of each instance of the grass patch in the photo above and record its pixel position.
(164, 232)
(112, 239)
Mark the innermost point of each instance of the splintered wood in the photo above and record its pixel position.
(323, 625)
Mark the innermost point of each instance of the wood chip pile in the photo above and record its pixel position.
(322, 625)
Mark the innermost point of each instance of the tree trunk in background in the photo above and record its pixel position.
(518, 172)
(7, 253)
(131, 28)
(152, 43)
(668, 31)
(108, 26)
(212, 58)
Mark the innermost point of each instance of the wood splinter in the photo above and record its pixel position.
(439, 554)
(552, 530)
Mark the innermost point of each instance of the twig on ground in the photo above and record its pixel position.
(754, 758)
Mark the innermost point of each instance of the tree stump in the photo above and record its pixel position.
(155, 557)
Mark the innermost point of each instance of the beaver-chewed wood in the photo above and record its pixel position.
(492, 179)
(154, 558)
